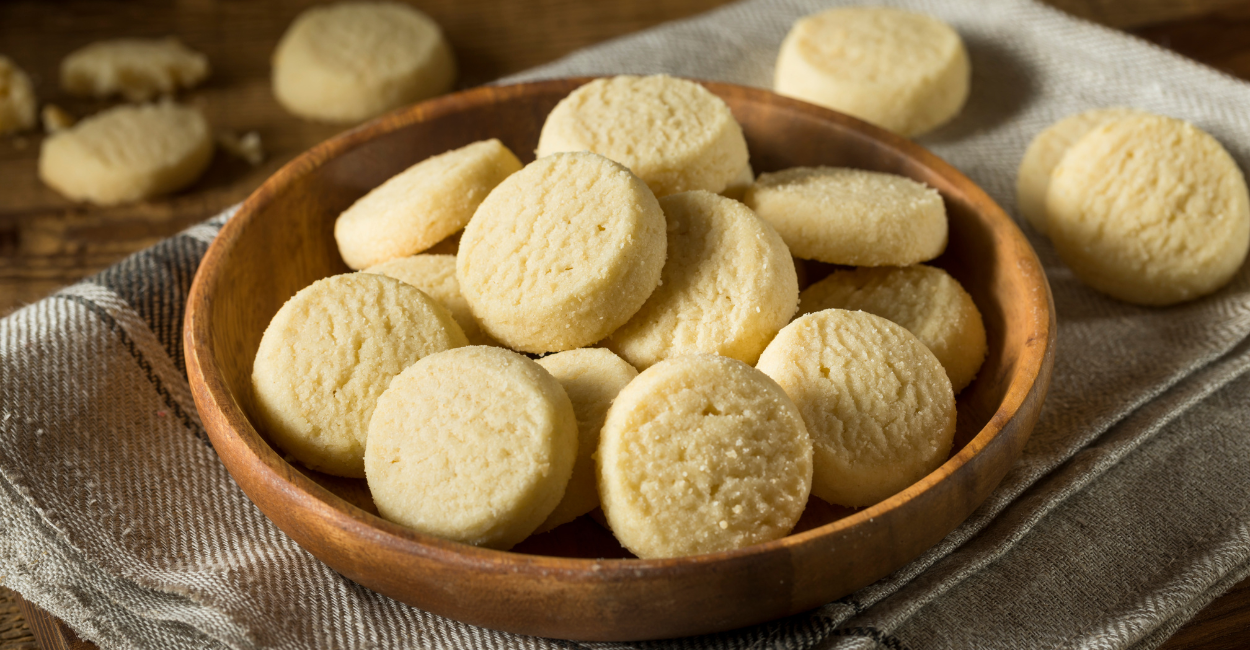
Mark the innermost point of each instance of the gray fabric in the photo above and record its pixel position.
(1126, 514)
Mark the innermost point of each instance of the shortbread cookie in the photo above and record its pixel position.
(138, 69)
(562, 253)
(738, 186)
(474, 445)
(924, 299)
(876, 402)
(421, 205)
(436, 276)
(329, 353)
(674, 134)
(727, 288)
(1150, 210)
(903, 71)
(701, 454)
(17, 98)
(1045, 152)
(592, 377)
(851, 216)
(351, 61)
(128, 153)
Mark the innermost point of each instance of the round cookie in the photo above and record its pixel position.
(924, 299)
(139, 69)
(436, 276)
(674, 134)
(702, 454)
(562, 253)
(903, 71)
(876, 402)
(127, 153)
(851, 216)
(474, 445)
(17, 98)
(329, 353)
(1044, 154)
(727, 288)
(422, 205)
(592, 377)
(1169, 224)
(351, 61)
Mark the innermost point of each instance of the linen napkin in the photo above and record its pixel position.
(1126, 514)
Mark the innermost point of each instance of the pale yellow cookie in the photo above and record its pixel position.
(701, 454)
(727, 288)
(329, 353)
(17, 98)
(903, 71)
(436, 276)
(562, 253)
(926, 300)
(876, 402)
(127, 153)
(351, 61)
(474, 445)
(737, 188)
(674, 134)
(138, 69)
(422, 205)
(592, 377)
(1150, 210)
(851, 216)
(55, 119)
(1044, 154)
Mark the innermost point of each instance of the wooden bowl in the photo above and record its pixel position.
(281, 240)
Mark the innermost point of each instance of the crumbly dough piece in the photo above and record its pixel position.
(1170, 223)
(329, 353)
(562, 253)
(55, 119)
(903, 71)
(421, 205)
(128, 153)
(436, 276)
(924, 299)
(474, 445)
(247, 146)
(674, 134)
(876, 402)
(138, 69)
(592, 377)
(701, 454)
(737, 188)
(1044, 154)
(851, 216)
(727, 288)
(351, 61)
(17, 98)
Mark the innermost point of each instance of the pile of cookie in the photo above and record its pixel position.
(609, 329)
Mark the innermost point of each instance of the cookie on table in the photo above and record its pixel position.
(877, 403)
(851, 216)
(1171, 223)
(474, 445)
(562, 253)
(436, 276)
(17, 98)
(138, 69)
(727, 288)
(422, 205)
(674, 134)
(329, 353)
(924, 299)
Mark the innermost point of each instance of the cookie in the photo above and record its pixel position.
(727, 288)
(351, 61)
(329, 353)
(592, 377)
(851, 216)
(138, 69)
(877, 403)
(902, 71)
(422, 205)
(700, 454)
(436, 276)
(562, 253)
(55, 119)
(474, 445)
(1150, 210)
(924, 299)
(674, 134)
(17, 98)
(127, 153)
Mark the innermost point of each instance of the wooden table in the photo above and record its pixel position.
(47, 242)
